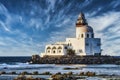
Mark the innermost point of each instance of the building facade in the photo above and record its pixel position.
(83, 44)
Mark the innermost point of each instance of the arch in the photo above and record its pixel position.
(48, 47)
(59, 47)
(48, 50)
(54, 50)
(54, 47)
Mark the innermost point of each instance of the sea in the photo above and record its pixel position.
(20, 64)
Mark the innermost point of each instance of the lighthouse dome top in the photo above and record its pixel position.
(85, 28)
(82, 24)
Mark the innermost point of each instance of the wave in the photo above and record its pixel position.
(25, 66)
(99, 69)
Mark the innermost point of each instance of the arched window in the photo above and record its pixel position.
(59, 49)
(87, 35)
(92, 35)
(65, 47)
(87, 44)
(81, 35)
(68, 44)
(54, 49)
(48, 49)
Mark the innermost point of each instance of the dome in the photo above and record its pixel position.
(82, 24)
(85, 28)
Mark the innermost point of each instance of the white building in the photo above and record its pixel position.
(84, 43)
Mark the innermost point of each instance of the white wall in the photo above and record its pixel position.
(77, 45)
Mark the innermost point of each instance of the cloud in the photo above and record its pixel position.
(28, 28)
(3, 9)
(4, 26)
(13, 41)
(18, 48)
(4, 12)
(2, 44)
(106, 26)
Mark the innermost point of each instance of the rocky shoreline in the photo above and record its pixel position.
(36, 59)
(59, 76)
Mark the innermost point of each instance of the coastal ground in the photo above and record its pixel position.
(102, 71)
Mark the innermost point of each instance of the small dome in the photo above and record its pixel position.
(85, 28)
(82, 24)
(90, 29)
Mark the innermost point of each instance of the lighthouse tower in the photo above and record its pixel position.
(82, 28)
(85, 43)
(85, 33)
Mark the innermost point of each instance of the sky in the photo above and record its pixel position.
(26, 26)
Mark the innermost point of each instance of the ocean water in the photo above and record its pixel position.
(19, 64)
(12, 60)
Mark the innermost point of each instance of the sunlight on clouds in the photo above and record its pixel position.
(18, 47)
(2, 43)
(108, 22)
(104, 20)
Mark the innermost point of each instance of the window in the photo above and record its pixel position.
(65, 47)
(53, 51)
(87, 35)
(92, 36)
(48, 51)
(48, 48)
(59, 51)
(54, 48)
(68, 44)
(81, 35)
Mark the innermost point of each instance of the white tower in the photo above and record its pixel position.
(92, 46)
